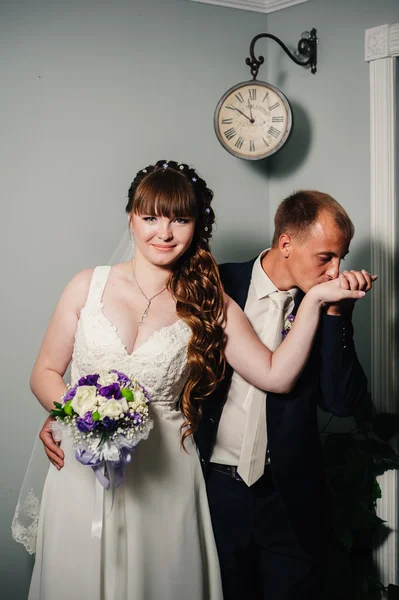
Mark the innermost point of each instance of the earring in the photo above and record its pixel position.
(132, 238)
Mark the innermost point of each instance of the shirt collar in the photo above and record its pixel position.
(262, 283)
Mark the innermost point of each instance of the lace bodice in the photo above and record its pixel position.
(160, 364)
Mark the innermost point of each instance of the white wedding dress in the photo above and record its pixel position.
(157, 541)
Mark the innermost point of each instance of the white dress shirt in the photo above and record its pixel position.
(230, 433)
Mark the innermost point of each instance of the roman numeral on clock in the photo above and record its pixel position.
(230, 133)
(230, 107)
(265, 142)
(227, 121)
(239, 97)
(252, 93)
(274, 106)
(277, 119)
(251, 146)
(239, 142)
(266, 95)
(274, 132)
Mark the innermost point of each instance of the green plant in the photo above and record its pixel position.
(353, 461)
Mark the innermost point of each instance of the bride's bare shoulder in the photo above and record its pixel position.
(76, 292)
(82, 280)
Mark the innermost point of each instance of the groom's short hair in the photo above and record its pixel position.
(297, 213)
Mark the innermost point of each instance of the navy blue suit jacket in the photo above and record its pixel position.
(333, 379)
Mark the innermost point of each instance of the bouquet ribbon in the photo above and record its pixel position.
(109, 474)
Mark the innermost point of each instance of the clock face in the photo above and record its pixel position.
(253, 120)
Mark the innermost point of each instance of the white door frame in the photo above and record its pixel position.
(382, 46)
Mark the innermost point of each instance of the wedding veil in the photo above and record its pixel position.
(25, 522)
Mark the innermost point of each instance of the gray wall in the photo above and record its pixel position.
(91, 91)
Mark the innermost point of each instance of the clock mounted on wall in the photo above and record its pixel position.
(253, 119)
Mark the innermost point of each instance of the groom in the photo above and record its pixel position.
(261, 453)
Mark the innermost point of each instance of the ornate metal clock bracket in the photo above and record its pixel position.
(305, 55)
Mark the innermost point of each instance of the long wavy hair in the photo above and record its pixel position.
(173, 190)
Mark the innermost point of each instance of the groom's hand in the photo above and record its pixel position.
(51, 448)
(353, 280)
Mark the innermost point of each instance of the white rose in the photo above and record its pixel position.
(85, 399)
(139, 396)
(113, 408)
(107, 378)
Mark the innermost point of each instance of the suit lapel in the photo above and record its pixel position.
(297, 301)
(238, 289)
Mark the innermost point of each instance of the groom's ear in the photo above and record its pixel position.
(285, 244)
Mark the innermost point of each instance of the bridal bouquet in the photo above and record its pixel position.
(106, 415)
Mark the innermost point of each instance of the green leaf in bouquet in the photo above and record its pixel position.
(68, 410)
(95, 416)
(57, 413)
(128, 394)
(58, 405)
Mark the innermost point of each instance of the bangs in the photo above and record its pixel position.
(165, 193)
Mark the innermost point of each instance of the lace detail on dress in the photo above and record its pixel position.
(25, 522)
(160, 364)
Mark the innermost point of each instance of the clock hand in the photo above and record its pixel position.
(250, 111)
(240, 111)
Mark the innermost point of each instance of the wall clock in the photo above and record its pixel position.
(253, 120)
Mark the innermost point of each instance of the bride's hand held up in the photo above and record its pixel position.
(349, 286)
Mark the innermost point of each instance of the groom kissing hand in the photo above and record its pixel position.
(261, 452)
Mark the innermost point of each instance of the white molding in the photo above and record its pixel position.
(382, 45)
(394, 40)
(263, 6)
(377, 42)
(382, 42)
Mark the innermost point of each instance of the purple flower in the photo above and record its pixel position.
(86, 423)
(109, 424)
(286, 330)
(147, 397)
(111, 391)
(89, 380)
(70, 394)
(137, 417)
(80, 424)
(122, 378)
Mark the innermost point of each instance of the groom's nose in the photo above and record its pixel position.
(333, 268)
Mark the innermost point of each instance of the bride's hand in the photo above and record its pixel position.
(345, 287)
(351, 280)
(51, 447)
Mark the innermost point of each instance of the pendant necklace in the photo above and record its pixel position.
(148, 300)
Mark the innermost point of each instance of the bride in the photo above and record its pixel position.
(164, 319)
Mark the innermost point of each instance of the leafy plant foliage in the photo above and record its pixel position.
(353, 461)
